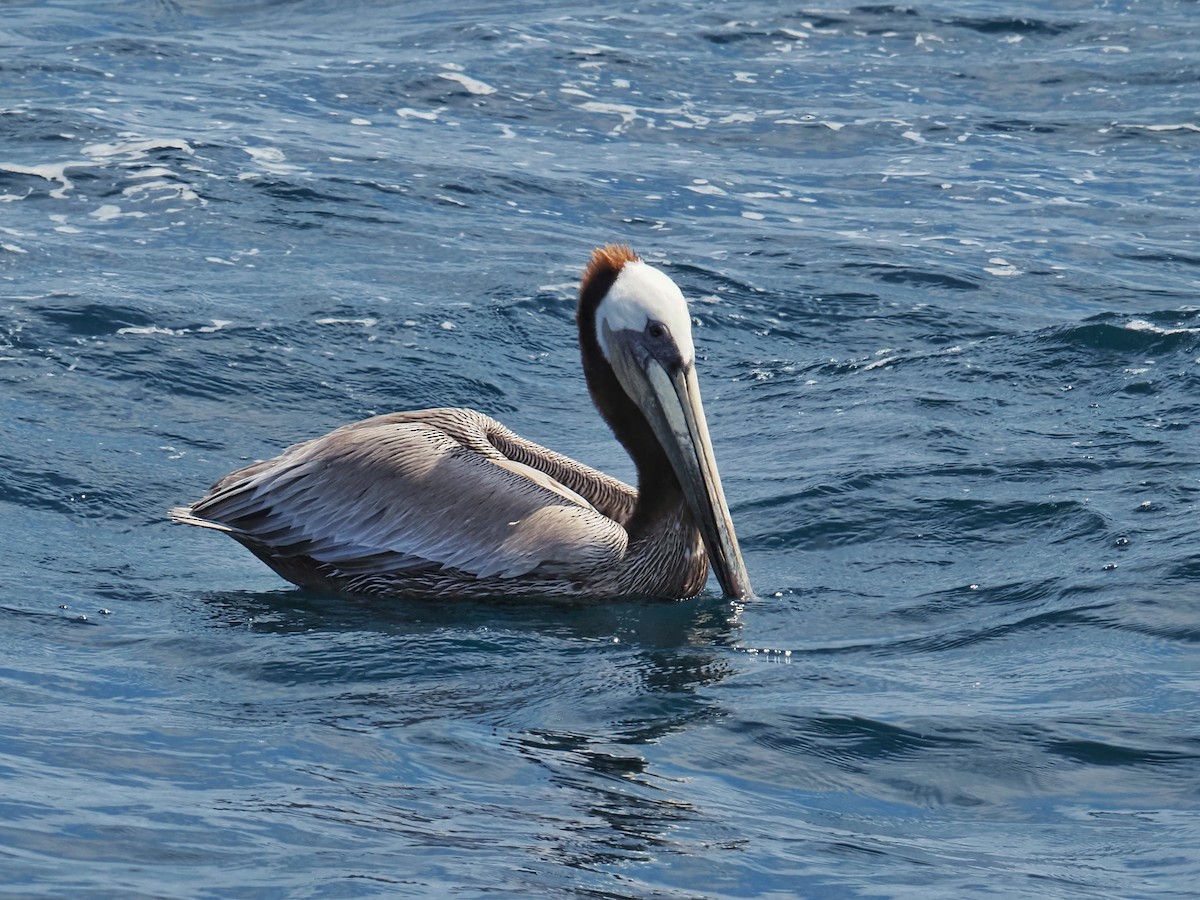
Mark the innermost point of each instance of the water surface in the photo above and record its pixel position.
(944, 267)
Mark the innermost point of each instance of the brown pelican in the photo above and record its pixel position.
(450, 503)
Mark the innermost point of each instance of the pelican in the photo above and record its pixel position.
(448, 503)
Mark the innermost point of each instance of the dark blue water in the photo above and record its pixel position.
(945, 264)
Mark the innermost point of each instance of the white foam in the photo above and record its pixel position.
(152, 172)
(628, 114)
(880, 363)
(1143, 325)
(217, 325)
(68, 229)
(135, 148)
(266, 154)
(1001, 268)
(169, 189)
(48, 171)
(127, 153)
(269, 159)
(106, 212)
(150, 329)
(1182, 126)
(473, 85)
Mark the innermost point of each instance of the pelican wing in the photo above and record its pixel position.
(400, 493)
(606, 494)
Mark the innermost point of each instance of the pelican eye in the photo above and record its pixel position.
(657, 330)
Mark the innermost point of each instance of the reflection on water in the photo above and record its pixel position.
(575, 692)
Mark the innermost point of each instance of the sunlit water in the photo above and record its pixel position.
(944, 266)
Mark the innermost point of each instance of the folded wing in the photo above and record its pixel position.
(410, 492)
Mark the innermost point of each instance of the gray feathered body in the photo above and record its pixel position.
(448, 503)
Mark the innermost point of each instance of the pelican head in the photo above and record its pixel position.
(641, 329)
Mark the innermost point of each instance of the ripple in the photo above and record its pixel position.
(1098, 753)
(1157, 333)
(895, 274)
(1015, 26)
(942, 266)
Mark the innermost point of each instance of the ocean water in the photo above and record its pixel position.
(945, 267)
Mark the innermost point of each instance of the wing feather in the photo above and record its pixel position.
(398, 492)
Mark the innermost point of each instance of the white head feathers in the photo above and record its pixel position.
(640, 295)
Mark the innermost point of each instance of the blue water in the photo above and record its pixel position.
(945, 265)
